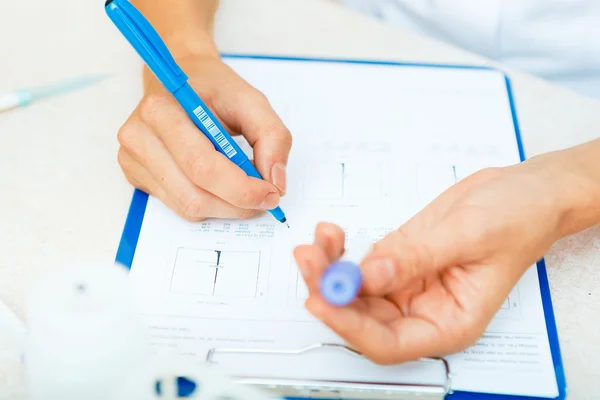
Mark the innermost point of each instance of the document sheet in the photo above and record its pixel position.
(373, 144)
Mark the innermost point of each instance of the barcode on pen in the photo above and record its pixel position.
(215, 132)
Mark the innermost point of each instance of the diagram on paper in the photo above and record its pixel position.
(301, 290)
(434, 179)
(219, 273)
(344, 183)
(355, 182)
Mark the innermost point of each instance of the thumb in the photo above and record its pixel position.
(266, 133)
(398, 260)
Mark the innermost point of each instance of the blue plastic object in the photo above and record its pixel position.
(185, 387)
(148, 44)
(341, 282)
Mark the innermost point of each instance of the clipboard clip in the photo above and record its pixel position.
(333, 389)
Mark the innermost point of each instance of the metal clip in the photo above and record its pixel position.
(331, 389)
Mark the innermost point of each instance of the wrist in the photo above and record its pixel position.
(574, 188)
(184, 44)
(186, 26)
(185, 52)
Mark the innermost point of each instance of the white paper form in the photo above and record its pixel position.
(373, 144)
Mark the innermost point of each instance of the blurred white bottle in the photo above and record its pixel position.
(85, 341)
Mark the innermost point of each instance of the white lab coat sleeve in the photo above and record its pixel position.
(558, 40)
(445, 20)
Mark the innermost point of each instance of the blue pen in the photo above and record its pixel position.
(148, 44)
(342, 280)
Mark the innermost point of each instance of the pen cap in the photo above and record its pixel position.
(147, 43)
(342, 280)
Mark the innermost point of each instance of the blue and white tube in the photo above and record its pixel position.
(15, 99)
(342, 279)
(23, 97)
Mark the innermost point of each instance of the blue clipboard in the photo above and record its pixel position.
(137, 208)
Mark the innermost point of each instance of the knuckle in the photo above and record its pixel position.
(246, 197)
(195, 207)
(411, 265)
(183, 213)
(127, 136)
(409, 258)
(180, 122)
(202, 169)
(251, 96)
(260, 95)
(126, 166)
(424, 257)
(134, 182)
(279, 131)
(123, 160)
(247, 214)
(151, 105)
(196, 218)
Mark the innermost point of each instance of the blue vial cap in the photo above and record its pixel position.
(185, 387)
(341, 282)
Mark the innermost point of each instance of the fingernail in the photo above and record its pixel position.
(379, 273)
(270, 202)
(278, 176)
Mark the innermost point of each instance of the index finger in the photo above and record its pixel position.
(201, 163)
(314, 259)
(252, 114)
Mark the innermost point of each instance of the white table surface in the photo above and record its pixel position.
(63, 197)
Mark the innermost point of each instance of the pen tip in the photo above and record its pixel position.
(288, 225)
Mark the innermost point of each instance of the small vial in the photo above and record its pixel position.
(342, 279)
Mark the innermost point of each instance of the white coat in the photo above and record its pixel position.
(557, 40)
